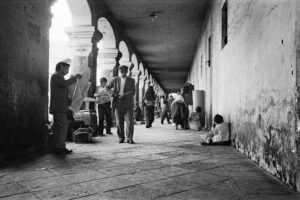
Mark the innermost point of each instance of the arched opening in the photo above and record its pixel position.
(134, 73)
(106, 60)
(58, 39)
(124, 60)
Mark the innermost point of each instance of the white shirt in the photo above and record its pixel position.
(162, 103)
(104, 95)
(123, 80)
(221, 132)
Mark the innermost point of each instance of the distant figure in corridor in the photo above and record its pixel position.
(149, 102)
(164, 110)
(104, 103)
(137, 113)
(219, 134)
(123, 103)
(179, 112)
(59, 106)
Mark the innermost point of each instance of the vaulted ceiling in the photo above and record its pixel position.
(166, 42)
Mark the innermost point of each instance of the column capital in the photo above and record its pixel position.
(142, 77)
(135, 73)
(80, 39)
(108, 53)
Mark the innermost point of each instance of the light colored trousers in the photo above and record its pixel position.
(60, 130)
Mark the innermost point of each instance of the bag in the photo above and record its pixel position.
(83, 135)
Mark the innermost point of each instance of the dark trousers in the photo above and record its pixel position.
(165, 114)
(60, 130)
(149, 113)
(104, 110)
(123, 108)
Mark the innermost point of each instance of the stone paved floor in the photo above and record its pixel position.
(164, 164)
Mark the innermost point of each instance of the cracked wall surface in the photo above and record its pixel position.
(254, 80)
(24, 75)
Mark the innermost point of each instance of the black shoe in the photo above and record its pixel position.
(147, 126)
(204, 143)
(161, 122)
(121, 141)
(130, 141)
(67, 151)
(61, 151)
(56, 151)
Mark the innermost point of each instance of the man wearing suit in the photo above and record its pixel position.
(123, 103)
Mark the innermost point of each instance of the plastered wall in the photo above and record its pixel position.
(254, 80)
(23, 75)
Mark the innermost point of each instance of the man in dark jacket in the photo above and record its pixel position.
(59, 105)
(123, 103)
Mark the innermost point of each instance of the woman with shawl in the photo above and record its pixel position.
(179, 112)
(149, 102)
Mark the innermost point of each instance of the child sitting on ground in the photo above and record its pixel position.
(219, 134)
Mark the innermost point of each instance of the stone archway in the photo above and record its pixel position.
(125, 59)
(106, 60)
(141, 86)
(134, 73)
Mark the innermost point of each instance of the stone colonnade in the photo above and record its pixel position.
(107, 53)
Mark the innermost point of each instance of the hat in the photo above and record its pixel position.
(66, 60)
(123, 67)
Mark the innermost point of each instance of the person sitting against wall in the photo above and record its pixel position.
(219, 134)
(179, 112)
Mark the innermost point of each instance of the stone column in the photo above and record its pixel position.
(134, 73)
(106, 63)
(81, 47)
(142, 78)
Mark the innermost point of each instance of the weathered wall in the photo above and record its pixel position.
(254, 80)
(24, 58)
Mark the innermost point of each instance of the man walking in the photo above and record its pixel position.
(59, 106)
(123, 103)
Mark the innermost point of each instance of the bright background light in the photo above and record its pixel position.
(61, 18)
(59, 40)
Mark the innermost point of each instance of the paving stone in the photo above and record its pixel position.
(151, 157)
(149, 165)
(171, 171)
(119, 170)
(44, 183)
(67, 170)
(273, 197)
(24, 196)
(137, 192)
(169, 186)
(83, 176)
(106, 184)
(11, 189)
(30, 175)
(60, 193)
(98, 197)
(199, 166)
(143, 177)
(206, 193)
(255, 187)
(125, 161)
